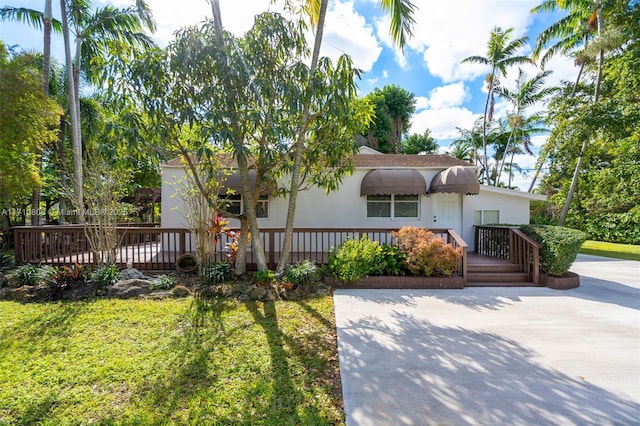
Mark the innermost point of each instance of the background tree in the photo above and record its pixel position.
(501, 54)
(419, 144)
(606, 195)
(528, 93)
(27, 118)
(393, 107)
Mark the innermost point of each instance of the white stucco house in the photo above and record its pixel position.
(386, 191)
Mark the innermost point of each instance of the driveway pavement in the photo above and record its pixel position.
(495, 356)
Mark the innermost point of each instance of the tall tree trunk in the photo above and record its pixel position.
(585, 143)
(299, 145)
(75, 128)
(544, 156)
(46, 61)
(484, 127)
(62, 159)
(243, 168)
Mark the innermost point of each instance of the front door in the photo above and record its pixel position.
(446, 211)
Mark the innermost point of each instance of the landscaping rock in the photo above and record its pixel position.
(42, 292)
(132, 274)
(242, 288)
(80, 290)
(128, 289)
(161, 294)
(23, 294)
(220, 290)
(181, 291)
(6, 293)
(258, 293)
(4, 282)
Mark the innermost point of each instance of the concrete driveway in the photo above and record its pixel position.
(495, 356)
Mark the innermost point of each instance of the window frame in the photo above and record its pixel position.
(482, 213)
(392, 202)
(239, 200)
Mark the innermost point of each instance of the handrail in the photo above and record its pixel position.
(457, 241)
(158, 248)
(525, 252)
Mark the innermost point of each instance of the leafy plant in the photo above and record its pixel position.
(355, 259)
(300, 273)
(560, 246)
(163, 282)
(264, 277)
(393, 260)
(426, 253)
(65, 275)
(33, 274)
(217, 273)
(104, 275)
(6, 260)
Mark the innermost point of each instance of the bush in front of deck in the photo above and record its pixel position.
(560, 246)
(356, 259)
(426, 253)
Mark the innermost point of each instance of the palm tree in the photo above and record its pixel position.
(528, 93)
(586, 19)
(566, 35)
(501, 52)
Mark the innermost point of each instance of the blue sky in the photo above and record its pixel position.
(449, 94)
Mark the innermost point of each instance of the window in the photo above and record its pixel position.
(393, 206)
(487, 217)
(234, 205)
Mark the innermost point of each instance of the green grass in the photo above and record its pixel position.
(619, 251)
(169, 362)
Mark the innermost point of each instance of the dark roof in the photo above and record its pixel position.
(437, 161)
(403, 160)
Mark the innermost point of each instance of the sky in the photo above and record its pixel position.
(448, 94)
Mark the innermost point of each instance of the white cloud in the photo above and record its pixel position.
(385, 74)
(421, 103)
(382, 31)
(442, 122)
(448, 96)
(347, 32)
(447, 32)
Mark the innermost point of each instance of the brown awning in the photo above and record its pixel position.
(458, 179)
(392, 182)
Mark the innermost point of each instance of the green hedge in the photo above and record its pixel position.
(559, 246)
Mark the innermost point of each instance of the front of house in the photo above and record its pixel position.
(386, 191)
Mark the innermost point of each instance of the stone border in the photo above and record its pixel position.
(568, 281)
(400, 282)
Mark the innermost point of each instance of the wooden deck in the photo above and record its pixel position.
(505, 257)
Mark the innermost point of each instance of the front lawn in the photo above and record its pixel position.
(619, 251)
(169, 362)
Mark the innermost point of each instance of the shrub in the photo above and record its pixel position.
(66, 275)
(6, 260)
(104, 275)
(264, 277)
(163, 282)
(217, 273)
(301, 273)
(426, 253)
(33, 274)
(393, 260)
(355, 259)
(559, 246)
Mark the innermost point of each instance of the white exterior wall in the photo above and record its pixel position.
(347, 209)
(514, 208)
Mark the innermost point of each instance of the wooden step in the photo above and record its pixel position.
(492, 277)
(510, 267)
(500, 284)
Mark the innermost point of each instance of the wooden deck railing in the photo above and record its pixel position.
(151, 248)
(505, 242)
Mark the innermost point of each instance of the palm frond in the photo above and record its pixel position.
(402, 19)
